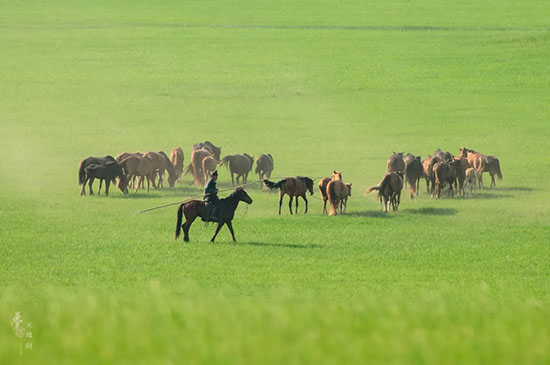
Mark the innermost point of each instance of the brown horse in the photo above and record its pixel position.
(239, 165)
(336, 175)
(209, 164)
(337, 194)
(470, 182)
(196, 208)
(443, 155)
(108, 172)
(195, 166)
(428, 165)
(396, 162)
(216, 151)
(141, 167)
(389, 190)
(264, 167)
(122, 156)
(413, 172)
(294, 187)
(458, 164)
(492, 166)
(445, 174)
(176, 158)
(476, 160)
(162, 163)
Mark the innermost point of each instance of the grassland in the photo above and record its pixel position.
(321, 85)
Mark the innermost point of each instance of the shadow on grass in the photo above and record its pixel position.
(432, 211)
(372, 214)
(513, 188)
(482, 195)
(284, 245)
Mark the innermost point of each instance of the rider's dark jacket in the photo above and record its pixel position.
(211, 192)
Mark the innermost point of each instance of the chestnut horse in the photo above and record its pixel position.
(336, 175)
(176, 157)
(196, 208)
(209, 164)
(141, 167)
(476, 160)
(337, 194)
(294, 187)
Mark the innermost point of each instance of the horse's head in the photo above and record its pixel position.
(243, 196)
(349, 188)
(309, 184)
(337, 175)
(122, 181)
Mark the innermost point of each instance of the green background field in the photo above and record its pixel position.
(321, 85)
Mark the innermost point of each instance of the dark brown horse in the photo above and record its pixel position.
(108, 172)
(492, 166)
(396, 162)
(389, 190)
(445, 174)
(413, 172)
(294, 187)
(89, 161)
(264, 167)
(226, 212)
(239, 165)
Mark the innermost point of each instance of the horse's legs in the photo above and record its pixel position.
(493, 183)
(280, 201)
(324, 206)
(230, 226)
(107, 184)
(304, 196)
(220, 225)
(99, 190)
(290, 203)
(90, 182)
(296, 210)
(83, 190)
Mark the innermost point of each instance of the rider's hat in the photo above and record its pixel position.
(215, 173)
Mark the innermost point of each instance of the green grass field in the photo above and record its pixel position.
(321, 85)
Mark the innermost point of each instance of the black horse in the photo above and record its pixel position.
(103, 161)
(226, 212)
(107, 172)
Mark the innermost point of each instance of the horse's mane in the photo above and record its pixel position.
(307, 181)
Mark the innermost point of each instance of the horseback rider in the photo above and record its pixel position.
(211, 199)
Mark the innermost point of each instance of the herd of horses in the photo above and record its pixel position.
(442, 170)
(462, 173)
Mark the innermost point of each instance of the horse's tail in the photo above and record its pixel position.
(375, 187)
(274, 186)
(497, 167)
(225, 161)
(178, 223)
(81, 172)
(331, 195)
(188, 169)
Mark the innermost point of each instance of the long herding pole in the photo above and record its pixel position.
(189, 199)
